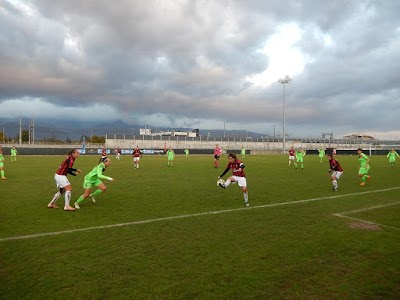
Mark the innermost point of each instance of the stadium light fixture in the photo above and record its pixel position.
(284, 81)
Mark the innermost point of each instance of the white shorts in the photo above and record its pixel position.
(136, 158)
(337, 174)
(291, 157)
(241, 181)
(61, 180)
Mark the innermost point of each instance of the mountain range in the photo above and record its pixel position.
(68, 130)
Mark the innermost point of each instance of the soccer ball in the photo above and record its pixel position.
(220, 181)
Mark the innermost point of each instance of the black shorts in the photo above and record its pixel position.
(216, 157)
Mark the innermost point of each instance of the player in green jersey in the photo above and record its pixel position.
(2, 165)
(300, 158)
(93, 179)
(321, 154)
(13, 154)
(171, 156)
(392, 156)
(364, 166)
(243, 152)
(186, 151)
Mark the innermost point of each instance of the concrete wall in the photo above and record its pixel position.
(255, 147)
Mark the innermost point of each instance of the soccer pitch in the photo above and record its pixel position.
(170, 233)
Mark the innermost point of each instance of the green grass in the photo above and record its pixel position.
(297, 250)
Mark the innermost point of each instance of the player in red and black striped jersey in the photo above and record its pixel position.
(62, 181)
(238, 176)
(292, 154)
(337, 170)
(136, 157)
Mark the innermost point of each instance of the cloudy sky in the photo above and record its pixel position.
(205, 63)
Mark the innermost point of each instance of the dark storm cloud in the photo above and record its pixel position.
(192, 59)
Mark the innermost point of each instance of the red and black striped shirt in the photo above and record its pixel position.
(66, 166)
(335, 166)
(236, 167)
(136, 152)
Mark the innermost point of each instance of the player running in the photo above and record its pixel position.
(364, 166)
(62, 181)
(392, 156)
(238, 176)
(93, 179)
(2, 165)
(337, 170)
(217, 154)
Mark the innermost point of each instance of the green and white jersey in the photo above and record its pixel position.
(13, 152)
(321, 152)
(1, 158)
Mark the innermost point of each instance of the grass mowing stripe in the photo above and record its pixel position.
(31, 236)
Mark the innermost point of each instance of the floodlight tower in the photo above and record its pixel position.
(284, 81)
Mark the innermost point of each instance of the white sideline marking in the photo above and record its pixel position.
(31, 236)
(343, 215)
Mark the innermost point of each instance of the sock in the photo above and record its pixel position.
(80, 199)
(295, 165)
(55, 198)
(302, 166)
(96, 192)
(246, 197)
(2, 173)
(335, 185)
(227, 183)
(67, 197)
(363, 178)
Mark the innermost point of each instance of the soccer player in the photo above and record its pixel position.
(217, 154)
(93, 179)
(117, 153)
(62, 181)
(392, 156)
(300, 153)
(2, 165)
(238, 176)
(136, 157)
(364, 166)
(13, 154)
(103, 153)
(291, 155)
(321, 154)
(171, 156)
(186, 151)
(243, 152)
(337, 170)
(334, 152)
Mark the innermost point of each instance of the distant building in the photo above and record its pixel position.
(148, 131)
(362, 137)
